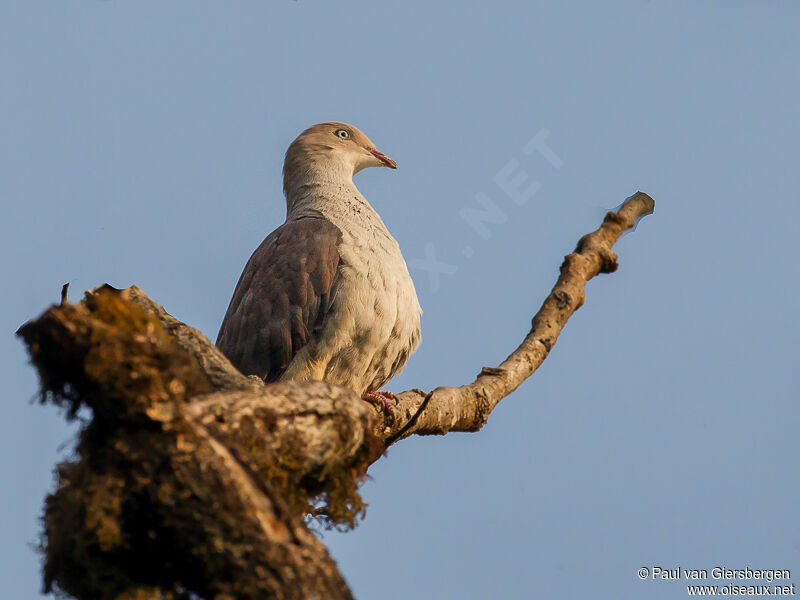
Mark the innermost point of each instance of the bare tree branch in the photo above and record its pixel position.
(467, 408)
(191, 478)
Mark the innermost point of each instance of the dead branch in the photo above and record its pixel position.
(191, 478)
(467, 408)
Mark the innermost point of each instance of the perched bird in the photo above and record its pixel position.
(327, 295)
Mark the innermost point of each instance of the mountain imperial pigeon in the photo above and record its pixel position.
(327, 295)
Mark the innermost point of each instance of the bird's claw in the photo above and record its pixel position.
(383, 401)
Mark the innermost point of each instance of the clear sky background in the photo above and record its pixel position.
(142, 142)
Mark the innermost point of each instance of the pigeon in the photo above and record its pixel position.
(327, 295)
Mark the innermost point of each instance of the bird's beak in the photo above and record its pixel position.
(383, 158)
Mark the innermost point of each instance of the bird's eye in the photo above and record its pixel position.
(342, 134)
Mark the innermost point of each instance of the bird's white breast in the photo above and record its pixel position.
(375, 322)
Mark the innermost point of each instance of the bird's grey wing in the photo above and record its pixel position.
(283, 296)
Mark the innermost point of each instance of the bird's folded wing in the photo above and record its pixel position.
(282, 298)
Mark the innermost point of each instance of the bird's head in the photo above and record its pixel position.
(333, 146)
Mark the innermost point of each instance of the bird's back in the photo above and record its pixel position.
(282, 298)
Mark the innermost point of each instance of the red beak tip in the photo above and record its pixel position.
(384, 159)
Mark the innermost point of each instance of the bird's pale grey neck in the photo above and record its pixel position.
(305, 168)
(338, 201)
(323, 184)
(327, 188)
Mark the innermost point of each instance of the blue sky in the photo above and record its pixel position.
(142, 143)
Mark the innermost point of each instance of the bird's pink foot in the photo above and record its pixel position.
(383, 401)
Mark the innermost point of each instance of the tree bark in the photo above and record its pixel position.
(190, 479)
